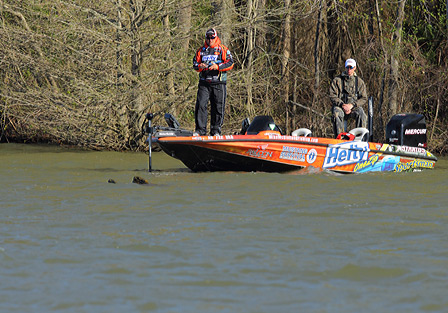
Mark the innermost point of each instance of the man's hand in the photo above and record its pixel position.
(213, 67)
(347, 108)
(203, 66)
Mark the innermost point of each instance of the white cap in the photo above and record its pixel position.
(350, 62)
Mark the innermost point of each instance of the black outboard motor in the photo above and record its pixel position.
(260, 123)
(407, 130)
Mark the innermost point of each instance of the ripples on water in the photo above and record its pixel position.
(215, 242)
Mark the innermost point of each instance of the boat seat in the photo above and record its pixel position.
(360, 133)
(303, 132)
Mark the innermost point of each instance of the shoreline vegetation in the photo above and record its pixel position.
(84, 74)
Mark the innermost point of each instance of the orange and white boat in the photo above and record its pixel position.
(262, 147)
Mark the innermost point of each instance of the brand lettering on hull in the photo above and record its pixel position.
(408, 149)
(293, 153)
(402, 167)
(415, 131)
(260, 153)
(364, 164)
(346, 153)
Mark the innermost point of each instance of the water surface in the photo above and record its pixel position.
(216, 242)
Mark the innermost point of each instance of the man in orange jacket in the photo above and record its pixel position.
(212, 61)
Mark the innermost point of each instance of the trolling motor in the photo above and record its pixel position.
(172, 123)
(173, 130)
(149, 117)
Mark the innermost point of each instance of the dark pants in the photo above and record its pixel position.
(216, 93)
(339, 118)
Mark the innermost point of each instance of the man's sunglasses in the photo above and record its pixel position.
(210, 37)
(350, 67)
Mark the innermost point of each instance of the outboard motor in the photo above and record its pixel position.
(407, 130)
(261, 123)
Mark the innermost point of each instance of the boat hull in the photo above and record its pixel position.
(271, 152)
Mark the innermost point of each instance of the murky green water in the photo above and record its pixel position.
(216, 242)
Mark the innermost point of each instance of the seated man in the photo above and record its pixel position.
(348, 95)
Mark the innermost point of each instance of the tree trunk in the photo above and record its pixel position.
(223, 19)
(260, 12)
(249, 57)
(380, 123)
(136, 103)
(122, 107)
(317, 49)
(168, 59)
(286, 51)
(184, 22)
(394, 72)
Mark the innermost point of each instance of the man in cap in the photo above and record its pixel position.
(212, 61)
(348, 95)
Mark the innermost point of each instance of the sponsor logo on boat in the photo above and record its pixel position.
(293, 153)
(415, 131)
(364, 164)
(260, 153)
(311, 156)
(346, 153)
(408, 149)
(402, 167)
(294, 138)
(220, 137)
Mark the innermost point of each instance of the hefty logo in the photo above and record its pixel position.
(209, 58)
(346, 153)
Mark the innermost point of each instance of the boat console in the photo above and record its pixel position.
(261, 123)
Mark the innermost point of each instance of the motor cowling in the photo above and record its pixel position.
(407, 130)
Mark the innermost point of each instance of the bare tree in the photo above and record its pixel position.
(286, 50)
(184, 25)
(249, 53)
(224, 18)
(394, 74)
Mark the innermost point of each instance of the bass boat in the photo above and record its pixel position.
(261, 146)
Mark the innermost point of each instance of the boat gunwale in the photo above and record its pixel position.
(190, 140)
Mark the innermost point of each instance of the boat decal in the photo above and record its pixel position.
(293, 153)
(365, 164)
(346, 153)
(260, 153)
(402, 167)
(372, 164)
(292, 138)
(311, 156)
(420, 131)
(412, 150)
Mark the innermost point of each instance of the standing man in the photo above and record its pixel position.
(212, 61)
(348, 95)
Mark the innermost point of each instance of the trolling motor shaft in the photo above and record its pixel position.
(149, 117)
